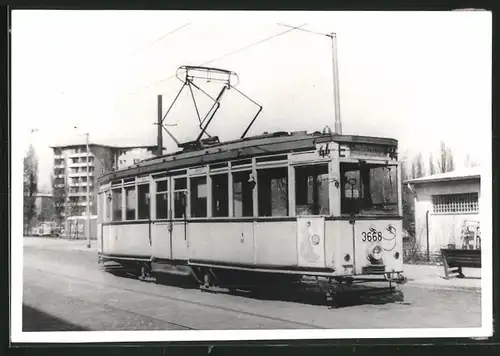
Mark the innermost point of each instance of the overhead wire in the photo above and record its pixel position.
(221, 57)
(149, 44)
(303, 29)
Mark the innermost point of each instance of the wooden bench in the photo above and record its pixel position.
(455, 259)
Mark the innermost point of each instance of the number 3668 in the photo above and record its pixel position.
(371, 236)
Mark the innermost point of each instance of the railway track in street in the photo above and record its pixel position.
(56, 282)
(150, 294)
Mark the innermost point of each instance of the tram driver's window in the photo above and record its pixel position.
(242, 194)
(117, 204)
(311, 190)
(272, 185)
(351, 188)
(220, 198)
(198, 197)
(130, 203)
(143, 201)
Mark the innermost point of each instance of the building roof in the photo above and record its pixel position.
(461, 174)
(114, 143)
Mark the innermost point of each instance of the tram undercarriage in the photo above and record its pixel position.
(336, 290)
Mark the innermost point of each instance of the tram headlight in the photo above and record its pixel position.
(347, 257)
(396, 255)
(375, 253)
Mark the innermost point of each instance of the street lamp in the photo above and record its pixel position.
(336, 95)
(87, 220)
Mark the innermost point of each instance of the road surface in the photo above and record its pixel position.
(66, 290)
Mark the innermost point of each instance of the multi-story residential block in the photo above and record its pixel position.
(70, 172)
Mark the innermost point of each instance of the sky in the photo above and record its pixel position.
(419, 77)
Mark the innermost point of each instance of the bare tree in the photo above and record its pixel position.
(417, 167)
(59, 195)
(407, 201)
(446, 162)
(73, 209)
(30, 187)
(432, 166)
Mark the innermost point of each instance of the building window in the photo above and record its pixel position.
(272, 187)
(162, 199)
(117, 204)
(220, 198)
(143, 201)
(199, 197)
(456, 203)
(311, 190)
(242, 194)
(180, 203)
(130, 203)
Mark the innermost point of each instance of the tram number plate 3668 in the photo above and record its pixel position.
(371, 236)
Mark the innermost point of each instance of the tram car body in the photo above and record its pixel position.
(282, 205)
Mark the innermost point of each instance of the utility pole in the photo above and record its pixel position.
(87, 225)
(159, 151)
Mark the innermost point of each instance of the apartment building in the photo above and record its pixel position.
(70, 172)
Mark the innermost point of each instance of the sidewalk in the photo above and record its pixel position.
(60, 244)
(433, 276)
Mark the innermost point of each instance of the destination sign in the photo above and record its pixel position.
(198, 170)
(366, 150)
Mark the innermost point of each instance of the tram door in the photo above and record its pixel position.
(178, 226)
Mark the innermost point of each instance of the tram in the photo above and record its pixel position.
(265, 209)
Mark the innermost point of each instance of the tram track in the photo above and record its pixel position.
(105, 305)
(234, 311)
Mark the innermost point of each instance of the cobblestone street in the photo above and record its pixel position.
(64, 289)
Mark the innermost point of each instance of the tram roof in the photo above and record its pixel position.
(266, 144)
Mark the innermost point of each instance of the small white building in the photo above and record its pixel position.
(447, 209)
(128, 157)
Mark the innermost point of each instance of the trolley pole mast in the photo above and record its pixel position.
(87, 221)
(335, 71)
(336, 95)
(159, 150)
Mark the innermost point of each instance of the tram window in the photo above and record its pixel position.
(242, 194)
(383, 192)
(199, 197)
(143, 201)
(100, 206)
(180, 184)
(180, 198)
(130, 203)
(162, 199)
(107, 202)
(369, 189)
(272, 187)
(220, 198)
(117, 204)
(311, 190)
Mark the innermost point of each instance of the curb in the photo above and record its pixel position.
(414, 283)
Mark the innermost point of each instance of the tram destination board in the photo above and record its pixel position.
(367, 150)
